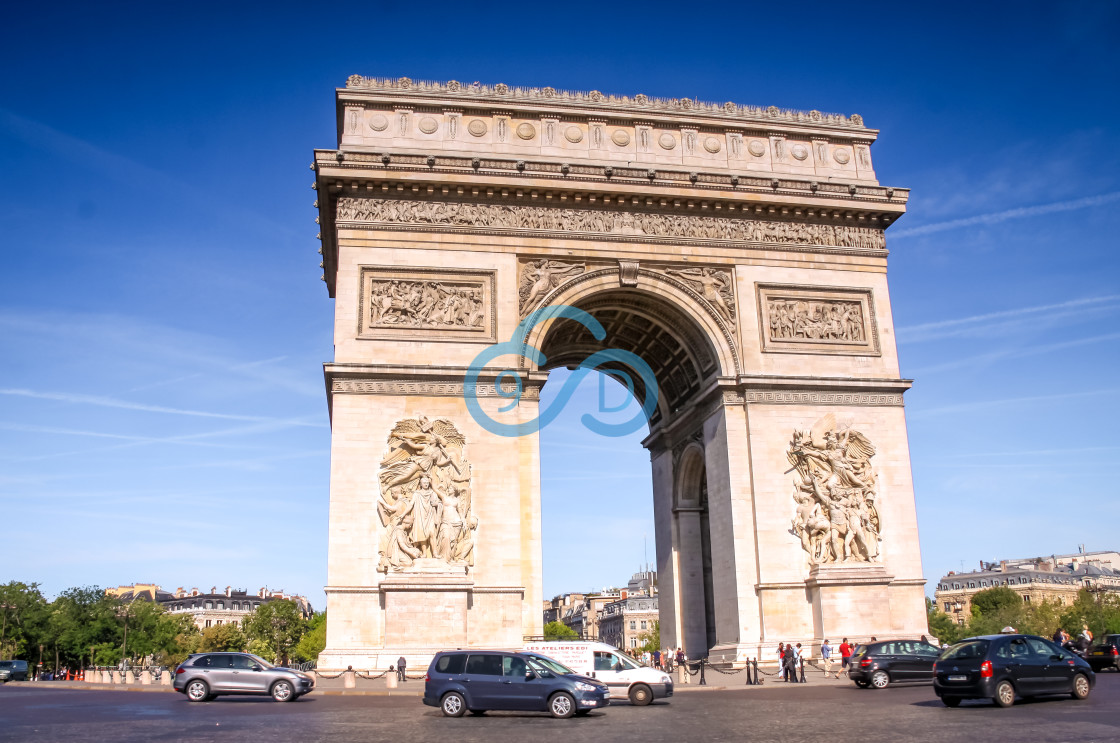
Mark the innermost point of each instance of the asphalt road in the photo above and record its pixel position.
(775, 712)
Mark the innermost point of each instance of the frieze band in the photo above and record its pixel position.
(603, 221)
(796, 397)
(432, 389)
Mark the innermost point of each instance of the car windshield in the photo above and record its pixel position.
(966, 650)
(629, 662)
(543, 661)
(6, 664)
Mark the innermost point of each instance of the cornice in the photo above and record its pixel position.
(594, 102)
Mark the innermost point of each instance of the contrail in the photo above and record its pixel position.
(994, 217)
(1003, 314)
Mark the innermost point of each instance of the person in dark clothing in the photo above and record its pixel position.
(401, 665)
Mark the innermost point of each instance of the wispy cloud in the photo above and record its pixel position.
(980, 404)
(1003, 216)
(986, 359)
(966, 325)
(111, 402)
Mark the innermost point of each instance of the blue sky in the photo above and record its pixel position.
(162, 322)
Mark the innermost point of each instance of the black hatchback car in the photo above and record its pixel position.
(483, 680)
(1105, 654)
(1001, 667)
(878, 664)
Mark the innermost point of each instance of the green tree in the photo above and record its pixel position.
(314, 641)
(81, 619)
(559, 631)
(995, 599)
(274, 629)
(650, 639)
(23, 620)
(221, 638)
(1097, 610)
(941, 625)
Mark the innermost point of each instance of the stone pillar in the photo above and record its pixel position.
(146, 677)
(348, 681)
(105, 679)
(165, 677)
(391, 679)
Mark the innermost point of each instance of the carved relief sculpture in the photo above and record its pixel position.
(425, 496)
(835, 490)
(424, 304)
(713, 285)
(403, 302)
(538, 278)
(827, 320)
(503, 216)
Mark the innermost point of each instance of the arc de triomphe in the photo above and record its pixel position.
(739, 252)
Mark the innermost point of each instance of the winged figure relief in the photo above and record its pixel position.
(538, 278)
(835, 489)
(425, 503)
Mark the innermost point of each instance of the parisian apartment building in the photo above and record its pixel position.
(211, 609)
(1057, 578)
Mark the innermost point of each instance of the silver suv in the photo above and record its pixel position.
(204, 676)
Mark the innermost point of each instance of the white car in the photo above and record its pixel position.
(625, 677)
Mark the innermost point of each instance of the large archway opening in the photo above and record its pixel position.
(686, 365)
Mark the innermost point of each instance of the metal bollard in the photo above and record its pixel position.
(703, 681)
(750, 681)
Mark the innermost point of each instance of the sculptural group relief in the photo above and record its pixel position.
(792, 319)
(425, 497)
(834, 489)
(604, 221)
(806, 319)
(396, 302)
(539, 278)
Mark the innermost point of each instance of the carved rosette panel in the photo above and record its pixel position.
(540, 278)
(398, 303)
(425, 497)
(818, 320)
(470, 215)
(834, 491)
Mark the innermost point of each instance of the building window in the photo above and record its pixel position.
(1026, 599)
(209, 604)
(946, 606)
(633, 642)
(221, 604)
(643, 624)
(972, 584)
(633, 624)
(207, 622)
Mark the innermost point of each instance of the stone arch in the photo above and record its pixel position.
(685, 341)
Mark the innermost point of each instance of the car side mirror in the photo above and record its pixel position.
(1056, 657)
(529, 675)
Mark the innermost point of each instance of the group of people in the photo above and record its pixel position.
(1083, 642)
(792, 659)
(664, 660)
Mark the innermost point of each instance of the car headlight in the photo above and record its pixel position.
(581, 686)
(666, 680)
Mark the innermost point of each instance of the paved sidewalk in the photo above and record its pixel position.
(334, 684)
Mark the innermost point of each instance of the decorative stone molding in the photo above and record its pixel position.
(424, 388)
(641, 102)
(835, 491)
(425, 498)
(405, 302)
(628, 273)
(462, 215)
(817, 320)
(816, 397)
(714, 285)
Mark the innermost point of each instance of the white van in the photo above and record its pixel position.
(626, 678)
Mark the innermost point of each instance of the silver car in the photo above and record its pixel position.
(204, 676)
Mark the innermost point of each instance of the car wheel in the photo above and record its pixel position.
(562, 705)
(880, 679)
(1005, 694)
(453, 704)
(197, 691)
(1080, 687)
(951, 701)
(640, 695)
(282, 691)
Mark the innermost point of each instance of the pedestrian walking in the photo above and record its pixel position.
(401, 665)
(845, 656)
(782, 660)
(826, 656)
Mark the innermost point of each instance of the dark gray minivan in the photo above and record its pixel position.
(481, 680)
(13, 670)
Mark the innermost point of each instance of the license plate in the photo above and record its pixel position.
(1098, 652)
(958, 678)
